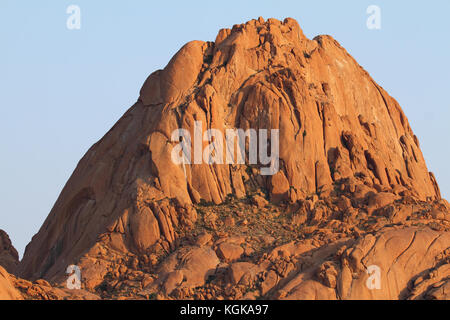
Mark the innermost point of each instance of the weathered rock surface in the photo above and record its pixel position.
(7, 289)
(9, 258)
(401, 255)
(140, 226)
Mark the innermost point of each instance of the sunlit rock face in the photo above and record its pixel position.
(345, 145)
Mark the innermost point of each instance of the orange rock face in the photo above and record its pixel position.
(127, 206)
(399, 255)
(7, 289)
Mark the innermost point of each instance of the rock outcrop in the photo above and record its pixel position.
(400, 258)
(9, 258)
(7, 289)
(12, 288)
(349, 165)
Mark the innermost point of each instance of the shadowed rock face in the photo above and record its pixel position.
(337, 127)
(9, 258)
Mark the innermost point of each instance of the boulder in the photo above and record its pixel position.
(229, 251)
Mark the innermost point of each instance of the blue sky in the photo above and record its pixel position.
(61, 90)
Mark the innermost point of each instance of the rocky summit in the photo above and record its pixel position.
(351, 212)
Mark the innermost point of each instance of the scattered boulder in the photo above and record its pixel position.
(229, 251)
(203, 239)
(380, 199)
(191, 268)
(259, 201)
(242, 273)
(279, 187)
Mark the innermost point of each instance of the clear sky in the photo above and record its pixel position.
(61, 90)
